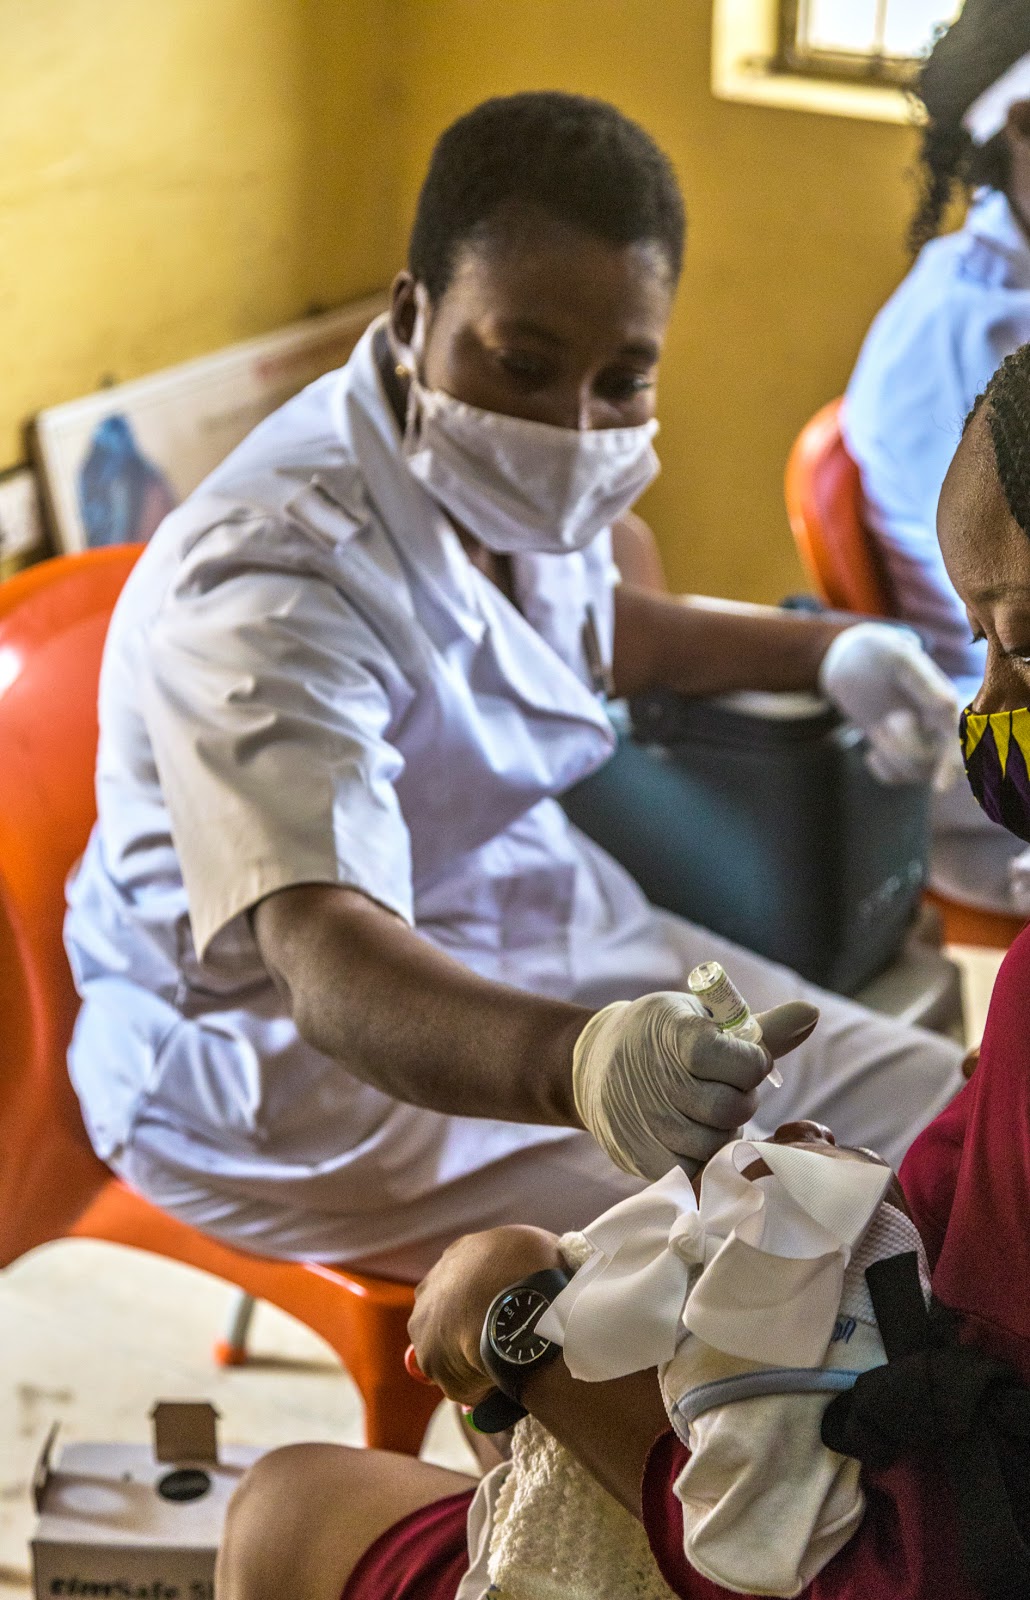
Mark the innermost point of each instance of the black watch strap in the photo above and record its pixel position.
(496, 1414)
(508, 1376)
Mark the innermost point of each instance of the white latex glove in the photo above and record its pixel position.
(881, 678)
(1019, 883)
(658, 1085)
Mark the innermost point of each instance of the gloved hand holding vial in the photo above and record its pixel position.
(727, 1007)
(659, 1082)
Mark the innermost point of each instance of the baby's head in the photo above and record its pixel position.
(817, 1138)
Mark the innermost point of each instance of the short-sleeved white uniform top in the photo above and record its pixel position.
(306, 680)
(961, 310)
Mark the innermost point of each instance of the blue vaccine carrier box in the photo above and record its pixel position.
(756, 816)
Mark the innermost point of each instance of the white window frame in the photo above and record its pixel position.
(745, 52)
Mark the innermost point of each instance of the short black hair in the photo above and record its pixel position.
(579, 159)
(1006, 401)
(988, 37)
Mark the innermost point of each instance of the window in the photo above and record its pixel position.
(840, 58)
(872, 41)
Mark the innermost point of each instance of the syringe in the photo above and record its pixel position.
(727, 1007)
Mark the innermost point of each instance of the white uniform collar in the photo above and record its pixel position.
(992, 220)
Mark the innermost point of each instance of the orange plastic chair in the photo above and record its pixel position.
(53, 620)
(824, 504)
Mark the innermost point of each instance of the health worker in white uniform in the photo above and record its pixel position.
(963, 308)
(341, 955)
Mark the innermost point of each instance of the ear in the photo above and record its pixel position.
(403, 309)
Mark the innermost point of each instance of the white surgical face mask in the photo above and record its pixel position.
(523, 486)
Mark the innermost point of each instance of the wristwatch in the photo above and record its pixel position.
(511, 1348)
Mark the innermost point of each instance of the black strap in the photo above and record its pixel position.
(894, 1285)
(496, 1413)
(945, 1401)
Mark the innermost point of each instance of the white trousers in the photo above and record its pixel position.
(873, 1082)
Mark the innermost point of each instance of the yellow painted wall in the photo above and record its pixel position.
(796, 228)
(178, 174)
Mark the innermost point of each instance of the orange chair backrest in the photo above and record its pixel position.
(824, 504)
(53, 622)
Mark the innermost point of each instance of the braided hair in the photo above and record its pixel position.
(1006, 401)
(989, 36)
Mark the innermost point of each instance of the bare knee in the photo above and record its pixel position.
(273, 1540)
(304, 1515)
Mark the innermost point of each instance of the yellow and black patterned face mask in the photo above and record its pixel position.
(996, 750)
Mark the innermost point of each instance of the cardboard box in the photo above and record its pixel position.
(137, 1522)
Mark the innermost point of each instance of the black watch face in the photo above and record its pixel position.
(513, 1323)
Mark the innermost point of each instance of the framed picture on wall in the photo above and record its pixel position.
(22, 534)
(114, 463)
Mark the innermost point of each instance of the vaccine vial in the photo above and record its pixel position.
(727, 1007)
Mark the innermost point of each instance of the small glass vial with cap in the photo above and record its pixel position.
(727, 1007)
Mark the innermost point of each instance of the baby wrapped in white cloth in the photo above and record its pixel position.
(750, 1299)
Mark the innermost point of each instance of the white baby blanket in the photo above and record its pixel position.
(752, 1304)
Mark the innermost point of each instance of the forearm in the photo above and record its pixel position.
(369, 992)
(609, 1427)
(704, 647)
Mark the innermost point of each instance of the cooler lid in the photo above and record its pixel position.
(748, 716)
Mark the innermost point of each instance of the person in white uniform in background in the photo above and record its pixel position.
(963, 308)
(336, 942)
